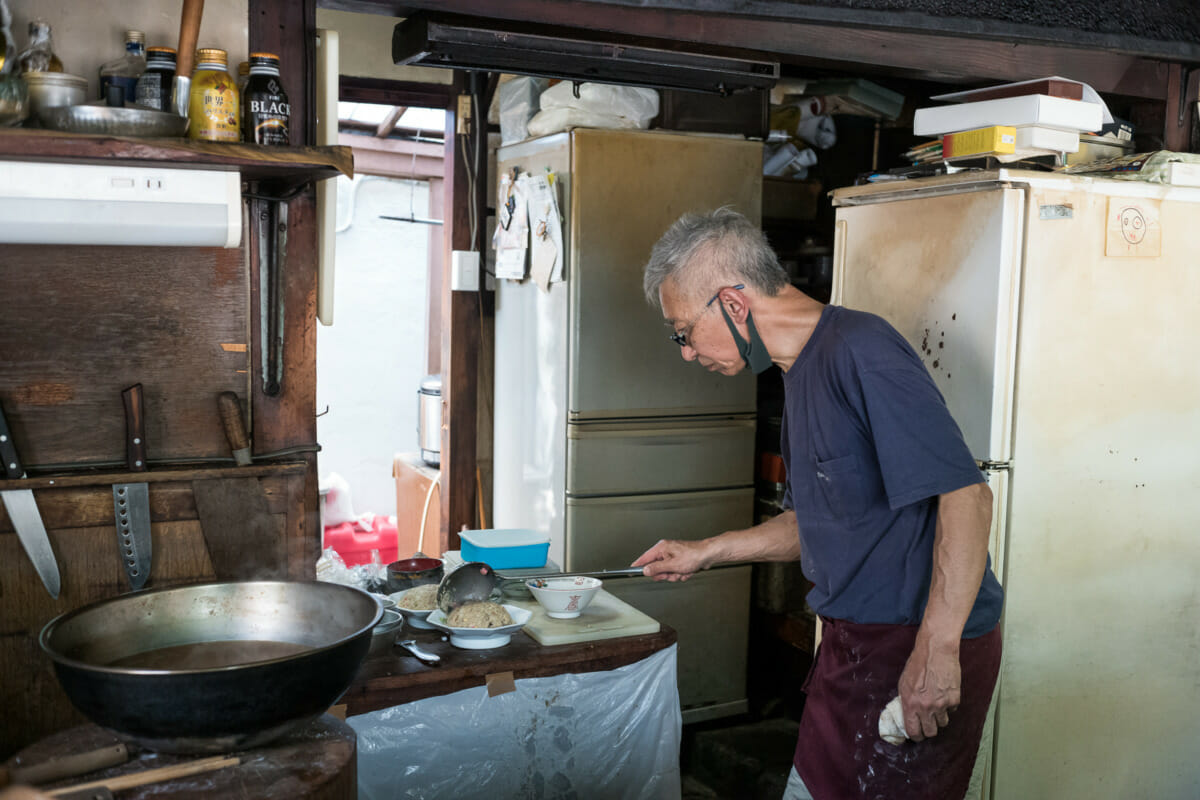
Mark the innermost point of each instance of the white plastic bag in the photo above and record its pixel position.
(633, 103)
(820, 132)
(554, 120)
(518, 102)
(602, 734)
(338, 507)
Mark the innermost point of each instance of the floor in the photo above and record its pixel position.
(737, 759)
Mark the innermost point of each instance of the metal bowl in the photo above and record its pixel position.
(212, 667)
(113, 120)
(51, 89)
(383, 637)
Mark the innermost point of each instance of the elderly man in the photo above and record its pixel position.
(889, 516)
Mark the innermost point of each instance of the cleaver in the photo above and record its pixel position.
(131, 501)
(23, 512)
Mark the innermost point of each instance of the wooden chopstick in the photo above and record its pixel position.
(152, 775)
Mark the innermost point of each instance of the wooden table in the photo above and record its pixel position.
(390, 679)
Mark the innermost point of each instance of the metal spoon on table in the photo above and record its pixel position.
(424, 656)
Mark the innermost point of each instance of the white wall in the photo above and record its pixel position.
(371, 360)
(365, 48)
(88, 33)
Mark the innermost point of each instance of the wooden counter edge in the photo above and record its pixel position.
(371, 693)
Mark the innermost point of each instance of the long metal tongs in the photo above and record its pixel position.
(271, 212)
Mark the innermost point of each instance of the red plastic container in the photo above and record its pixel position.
(354, 541)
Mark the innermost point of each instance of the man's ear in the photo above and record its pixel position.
(735, 303)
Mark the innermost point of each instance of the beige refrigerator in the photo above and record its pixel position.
(1060, 317)
(604, 437)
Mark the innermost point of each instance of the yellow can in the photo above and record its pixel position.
(214, 105)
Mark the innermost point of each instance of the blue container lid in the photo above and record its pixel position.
(504, 537)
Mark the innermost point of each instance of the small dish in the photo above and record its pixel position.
(384, 600)
(482, 638)
(383, 635)
(414, 617)
(564, 598)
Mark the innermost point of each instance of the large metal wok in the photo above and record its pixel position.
(182, 670)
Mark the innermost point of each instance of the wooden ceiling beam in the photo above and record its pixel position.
(857, 49)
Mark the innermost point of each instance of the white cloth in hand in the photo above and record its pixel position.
(891, 723)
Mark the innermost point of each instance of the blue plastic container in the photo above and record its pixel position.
(506, 548)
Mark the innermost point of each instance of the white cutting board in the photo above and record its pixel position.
(606, 617)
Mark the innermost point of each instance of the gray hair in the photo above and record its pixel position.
(703, 252)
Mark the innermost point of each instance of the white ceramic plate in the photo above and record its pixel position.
(482, 638)
(414, 618)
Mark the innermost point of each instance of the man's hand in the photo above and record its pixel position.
(672, 560)
(930, 689)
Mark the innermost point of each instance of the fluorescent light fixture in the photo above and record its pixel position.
(572, 54)
(114, 204)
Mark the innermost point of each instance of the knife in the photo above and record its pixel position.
(235, 429)
(131, 501)
(23, 512)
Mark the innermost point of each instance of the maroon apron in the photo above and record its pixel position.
(857, 671)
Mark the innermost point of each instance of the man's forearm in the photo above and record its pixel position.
(959, 558)
(777, 539)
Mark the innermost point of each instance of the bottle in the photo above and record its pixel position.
(243, 76)
(213, 104)
(39, 55)
(265, 108)
(154, 87)
(126, 70)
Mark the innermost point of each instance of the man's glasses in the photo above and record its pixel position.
(680, 337)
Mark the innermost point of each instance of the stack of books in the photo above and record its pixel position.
(1009, 123)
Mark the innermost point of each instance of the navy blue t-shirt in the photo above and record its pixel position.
(869, 445)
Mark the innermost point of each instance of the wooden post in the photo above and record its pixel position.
(1183, 87)
(460, 331)
(288, 29)
(433, 292)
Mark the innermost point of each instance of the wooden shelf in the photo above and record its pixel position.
(282, 166)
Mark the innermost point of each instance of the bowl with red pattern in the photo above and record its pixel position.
(566, 597)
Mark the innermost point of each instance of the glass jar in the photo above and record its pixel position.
(154, 87)
(39, 55)
(213, 112)
(126, 70)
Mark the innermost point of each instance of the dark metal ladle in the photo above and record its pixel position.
(472, 582)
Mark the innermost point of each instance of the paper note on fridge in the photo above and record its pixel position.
(545, 227)
(1031, 109)
(511, 239)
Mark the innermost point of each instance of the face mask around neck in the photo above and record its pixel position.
(753, 352)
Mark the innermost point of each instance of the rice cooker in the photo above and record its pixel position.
(429, 419)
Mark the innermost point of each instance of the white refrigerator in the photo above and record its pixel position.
(604, 437)
(1060, 317)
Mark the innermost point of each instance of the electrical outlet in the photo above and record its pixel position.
(463, 118)
(464, 271)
